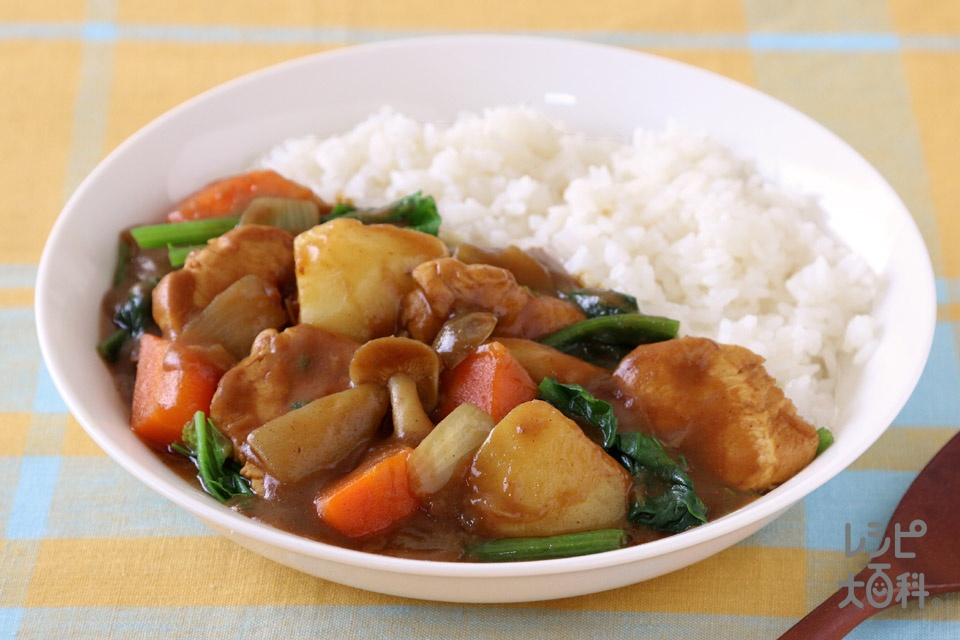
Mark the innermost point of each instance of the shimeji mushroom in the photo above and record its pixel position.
(410, 370)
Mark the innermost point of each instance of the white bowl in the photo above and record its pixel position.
(598, 89)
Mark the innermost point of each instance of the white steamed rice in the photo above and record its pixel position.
(676, 219)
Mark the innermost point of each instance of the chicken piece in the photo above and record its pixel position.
(527, 268)
(284, 370)
(266, 252)
(718, 405)
(447, 286)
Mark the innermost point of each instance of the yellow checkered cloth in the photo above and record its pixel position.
(87, 552)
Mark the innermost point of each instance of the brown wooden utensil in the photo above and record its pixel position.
(920, 555)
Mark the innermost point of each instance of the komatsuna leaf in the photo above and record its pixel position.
(669, 502)
(604, 340)
(602, 302)
(578, 403)
(416, 211)
(210, 451)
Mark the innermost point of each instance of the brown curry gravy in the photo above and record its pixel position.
(434, 533)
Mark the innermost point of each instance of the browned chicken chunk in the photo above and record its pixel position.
(266, 252)
(718, 405)
(534, 268)
(448, 286)
(283, 371)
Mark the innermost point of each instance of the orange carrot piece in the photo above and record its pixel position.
(372, 498)
(490, 378)
(173, 382)
(229, 195)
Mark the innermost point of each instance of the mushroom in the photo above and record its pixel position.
(410, 370)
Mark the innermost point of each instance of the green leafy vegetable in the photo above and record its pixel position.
(110, 347)
(210, 451)
(133, 314)
(670, 502)
(178, 255)
(130, 318)
(560, 546)
(123, 259)
(676, 507)
(578, 403)
(596, 303)
(155, 236)
(604, 340)
(415, 211)
(826, 439)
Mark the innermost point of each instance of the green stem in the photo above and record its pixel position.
(109, 348)
(123, 259)
(210, 451)
(153, 236)
(560, 546)
(178, 255)
(625, 328)
(825, 439)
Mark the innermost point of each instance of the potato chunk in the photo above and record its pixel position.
(351, 277)
(538, 474)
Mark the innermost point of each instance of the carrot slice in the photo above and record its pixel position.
(490, 378)
(173, 382)
(372, 498)
(229, 195)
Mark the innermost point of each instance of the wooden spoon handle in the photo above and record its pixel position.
(830, 621)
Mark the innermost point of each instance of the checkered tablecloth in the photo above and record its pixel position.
(86, 551)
